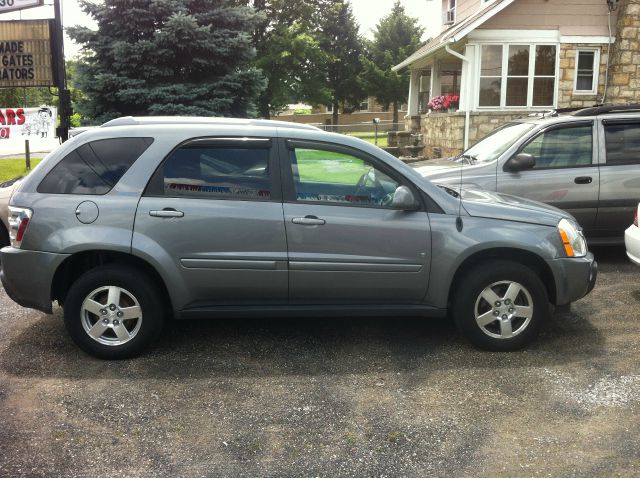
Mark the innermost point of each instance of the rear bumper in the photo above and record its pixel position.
(632, 244)
(27, 276)
(574, 277)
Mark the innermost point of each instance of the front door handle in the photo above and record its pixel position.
(583, 180)
(166, 212)
(308, 221)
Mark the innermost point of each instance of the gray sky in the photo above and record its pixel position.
(367, 12)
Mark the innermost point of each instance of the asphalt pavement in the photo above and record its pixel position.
(328, 398)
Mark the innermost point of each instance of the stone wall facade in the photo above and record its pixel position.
(443, 133)
(624, 70)
(566, 81)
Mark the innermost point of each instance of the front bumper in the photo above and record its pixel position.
(574, 277)
(27, 276)
(632, 244)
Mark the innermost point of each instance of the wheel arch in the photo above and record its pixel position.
(520, 256)
(79, 263)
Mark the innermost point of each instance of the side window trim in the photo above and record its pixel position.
(288, 187)
(155, 185)
(573, 124)
(612, 122)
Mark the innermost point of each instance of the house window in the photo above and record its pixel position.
(517, 75)
(490, 75)
(586, 75)
(364, 105)
(449, 16)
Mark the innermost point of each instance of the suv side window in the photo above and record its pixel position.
(321, 175)
(95, 167)
(622, 139)
(563, 147)
(218, 171)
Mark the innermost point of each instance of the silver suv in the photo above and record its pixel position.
(147, 218)
(586, 162)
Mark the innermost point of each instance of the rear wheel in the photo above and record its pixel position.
(114, 312)
(500, 305)
(4, 236)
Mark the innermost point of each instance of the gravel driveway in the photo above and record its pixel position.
(365, 398)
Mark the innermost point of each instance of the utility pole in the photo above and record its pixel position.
(60, 74)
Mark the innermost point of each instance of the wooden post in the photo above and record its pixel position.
(27, 154)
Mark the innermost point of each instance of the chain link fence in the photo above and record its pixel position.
(375, 133)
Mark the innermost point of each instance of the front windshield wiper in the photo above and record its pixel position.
(469, 158)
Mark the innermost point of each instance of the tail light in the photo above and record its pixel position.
(19, 218)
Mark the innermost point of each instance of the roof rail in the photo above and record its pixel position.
(606, 109)
(203, 120)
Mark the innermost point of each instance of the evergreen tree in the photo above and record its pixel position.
(341, 42)
(167, 57)
(396, 36)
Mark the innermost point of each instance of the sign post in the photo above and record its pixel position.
(64, 95)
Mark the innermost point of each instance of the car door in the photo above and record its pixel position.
(566, 173)
(213, 211)
(347, 244)
(619, 175)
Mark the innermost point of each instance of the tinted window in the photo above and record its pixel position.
(94, 168)
(623, 143)
(218, 173)
(331, 177)
(568, 147)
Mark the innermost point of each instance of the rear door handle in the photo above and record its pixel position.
(166, 212)
(583, 180)
(308, 221)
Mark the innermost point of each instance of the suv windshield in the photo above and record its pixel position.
(496, 142)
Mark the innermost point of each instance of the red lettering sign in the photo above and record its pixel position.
(4, 133)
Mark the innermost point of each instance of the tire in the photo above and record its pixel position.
(519, 305)
(4, 236)
(121, 307)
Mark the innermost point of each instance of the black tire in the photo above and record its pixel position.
(133, 284)
(4, 236)
(500, 275)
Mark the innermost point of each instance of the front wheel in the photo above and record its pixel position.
(500, 305)
(113, 312)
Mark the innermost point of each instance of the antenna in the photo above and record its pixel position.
(459, 218)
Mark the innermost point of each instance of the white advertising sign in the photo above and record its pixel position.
(12, 5)
(28, 123)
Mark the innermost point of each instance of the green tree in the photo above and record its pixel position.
(167, 57)
(396, 36)
(289, 54)
(341, 41)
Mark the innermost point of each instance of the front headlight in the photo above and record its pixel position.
(573, 240)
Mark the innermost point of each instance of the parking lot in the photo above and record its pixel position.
(351, 397)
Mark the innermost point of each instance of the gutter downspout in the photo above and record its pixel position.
(466, 113)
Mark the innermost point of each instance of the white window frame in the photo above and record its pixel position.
(504, 75)
(596, 72)
(366, 110)
(450, 8)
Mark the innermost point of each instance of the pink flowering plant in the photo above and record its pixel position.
(443, 103)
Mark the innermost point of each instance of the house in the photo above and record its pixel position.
(509, 58)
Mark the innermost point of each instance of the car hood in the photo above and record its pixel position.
(489, 204)
(436, 166)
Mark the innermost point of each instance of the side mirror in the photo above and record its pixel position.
(404, 199)
(520, 162)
